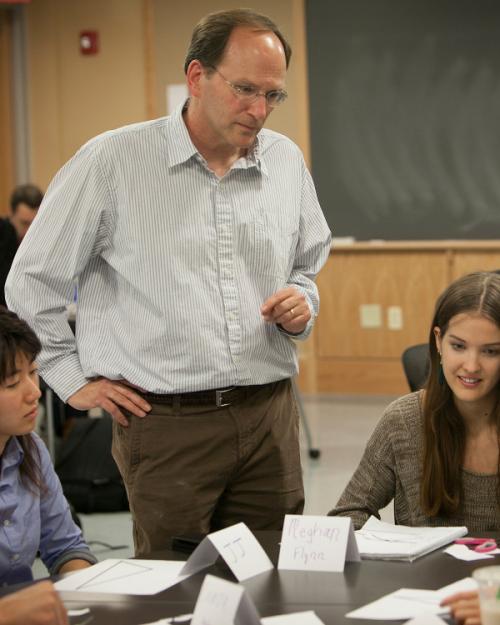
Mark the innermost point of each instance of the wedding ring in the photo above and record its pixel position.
(291, 312)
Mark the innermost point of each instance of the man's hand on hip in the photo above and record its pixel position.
(111, 396)
(289, 308)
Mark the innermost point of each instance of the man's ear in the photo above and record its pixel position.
(194, 75)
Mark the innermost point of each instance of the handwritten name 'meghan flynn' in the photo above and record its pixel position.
(310, 534)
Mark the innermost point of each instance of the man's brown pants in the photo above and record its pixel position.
(194, 468)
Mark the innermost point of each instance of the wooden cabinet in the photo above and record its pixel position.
(376, 300)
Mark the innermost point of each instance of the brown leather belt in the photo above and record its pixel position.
(218, 397)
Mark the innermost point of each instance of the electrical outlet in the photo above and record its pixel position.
(370, 316)
(395, 318)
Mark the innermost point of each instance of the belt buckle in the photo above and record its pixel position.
(219, 397)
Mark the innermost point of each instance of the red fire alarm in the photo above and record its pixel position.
(89, 42)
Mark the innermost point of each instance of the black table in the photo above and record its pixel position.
(330, 595)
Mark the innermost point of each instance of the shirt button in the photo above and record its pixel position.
(15, 557)
(6, 522)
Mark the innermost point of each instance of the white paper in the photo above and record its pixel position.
(223, 603)
(462, 585)
(175, 95)
(462, 552)
(81, 612)
(237, 546)
(297, 618)
(402, 604)
(126, 577)
(379, 540)
(426, 619)
(317, 543)
(407, 603)
(182, 618)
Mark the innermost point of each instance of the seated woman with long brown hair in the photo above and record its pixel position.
(436, 451)
(34, 515)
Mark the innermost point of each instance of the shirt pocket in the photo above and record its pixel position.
(266, 249)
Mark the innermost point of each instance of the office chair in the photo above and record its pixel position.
(415, 361)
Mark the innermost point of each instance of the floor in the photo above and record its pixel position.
(339, 427)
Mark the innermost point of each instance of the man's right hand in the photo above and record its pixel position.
(111, 396)
(36, 605)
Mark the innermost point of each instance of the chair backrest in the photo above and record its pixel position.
(415, 361)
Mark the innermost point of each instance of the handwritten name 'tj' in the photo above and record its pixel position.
(310, 539)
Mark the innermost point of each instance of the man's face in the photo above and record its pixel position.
(252, 59)
(22, 218)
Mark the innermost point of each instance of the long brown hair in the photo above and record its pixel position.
(444, 430)
(16, 338)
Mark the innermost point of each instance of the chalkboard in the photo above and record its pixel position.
(405, 117)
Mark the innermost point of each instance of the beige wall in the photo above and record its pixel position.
(6, 120)
(142, 47)
(74, 97)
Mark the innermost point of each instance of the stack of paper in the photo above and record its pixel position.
(383, 541)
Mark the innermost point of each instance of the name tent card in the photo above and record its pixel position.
(237, 546)
(223, 603)
(317, 543)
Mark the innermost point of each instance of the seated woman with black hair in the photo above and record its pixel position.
(436, 451)
(34, 514)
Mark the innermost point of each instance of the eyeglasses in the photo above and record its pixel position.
(248, 93)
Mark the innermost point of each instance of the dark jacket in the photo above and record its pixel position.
(8, 249)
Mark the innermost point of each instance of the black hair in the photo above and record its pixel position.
(27, 194)
(17, 338)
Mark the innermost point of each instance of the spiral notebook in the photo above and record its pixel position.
(378, 540)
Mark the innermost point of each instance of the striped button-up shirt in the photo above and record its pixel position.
(172, 263)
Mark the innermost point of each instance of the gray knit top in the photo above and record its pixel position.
(391, 469)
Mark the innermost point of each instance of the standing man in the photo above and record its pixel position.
(195, 240)
(24, 203)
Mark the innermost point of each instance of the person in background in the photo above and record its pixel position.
(435, 451)
(36, 605)
(24, 203)
(29, 487)
(195, 241)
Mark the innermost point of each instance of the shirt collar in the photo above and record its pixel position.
(181, 148)
(12, 454)
(254, 156)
